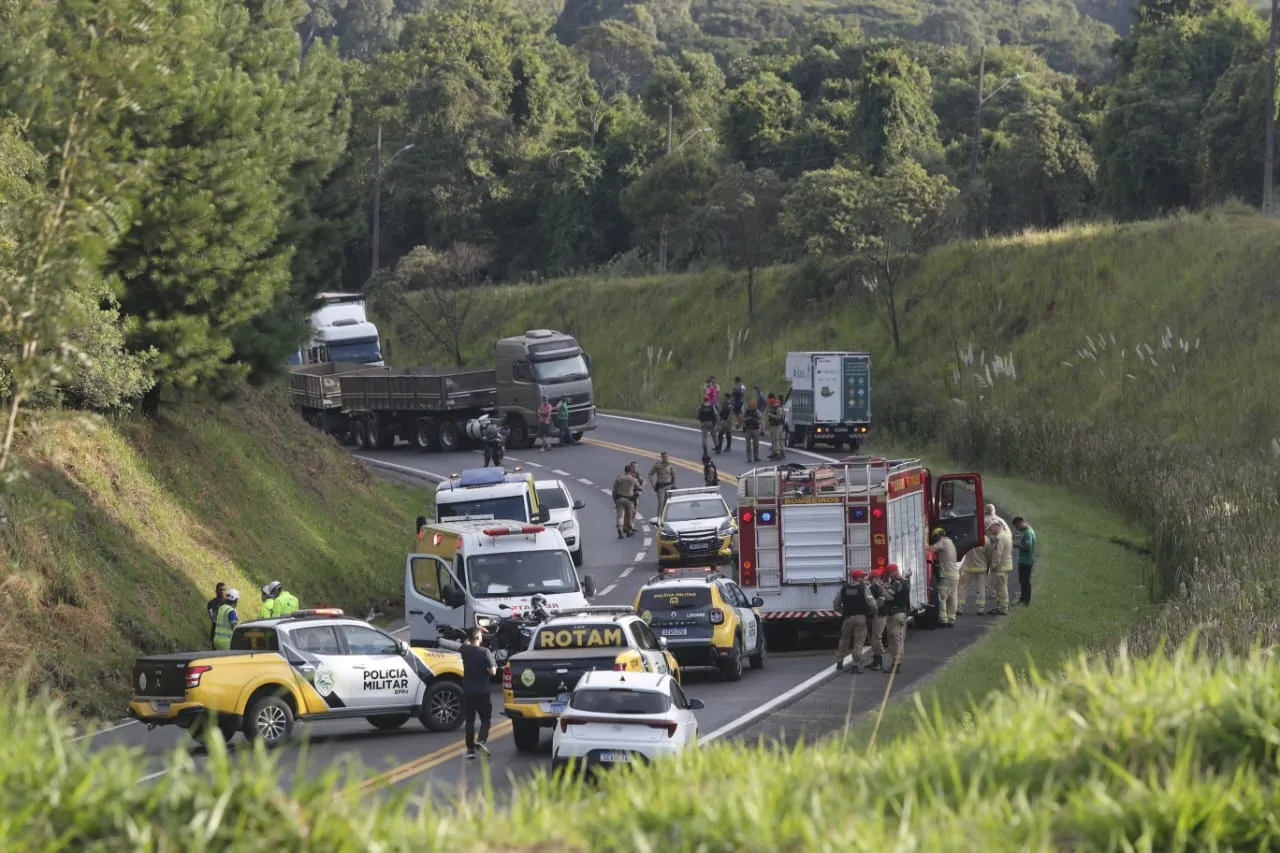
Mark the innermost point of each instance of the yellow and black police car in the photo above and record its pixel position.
(705, 618)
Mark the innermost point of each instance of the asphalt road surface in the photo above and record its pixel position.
(810, 697)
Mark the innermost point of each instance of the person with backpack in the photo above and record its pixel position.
(724, 426)
(707, 419)
(751, 431)
(738, 401)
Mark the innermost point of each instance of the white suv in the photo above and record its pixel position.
(621, 717)
(554, 496)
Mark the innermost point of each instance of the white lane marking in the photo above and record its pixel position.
(684, 428)
(560, 473)
(606, 491)
(647, 542)
(639, 556)
(608, 589)
(586, 482)
(626, 571)
(400, 630)
(528, 462)
(826, 674)
(116, 727)
(404, 469)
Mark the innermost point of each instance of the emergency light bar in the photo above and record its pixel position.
(599, 609)
(482, 477)
(513, 531)
(318, 611)
(676, 570)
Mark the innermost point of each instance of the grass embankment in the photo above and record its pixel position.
(1145, 387)
(155, 513)
(1141, 755)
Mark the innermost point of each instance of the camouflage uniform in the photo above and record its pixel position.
(624, 491)
(662, 477)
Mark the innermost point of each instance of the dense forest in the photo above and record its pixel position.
(178, 180)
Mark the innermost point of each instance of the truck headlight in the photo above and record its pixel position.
(668, 532)
(726, 529)
(484, 622)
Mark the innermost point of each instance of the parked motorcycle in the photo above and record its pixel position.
(510, 635)
(495, 446)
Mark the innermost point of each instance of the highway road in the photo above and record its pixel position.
(432, 762)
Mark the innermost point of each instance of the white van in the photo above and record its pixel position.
(464, 570)
(489, 493)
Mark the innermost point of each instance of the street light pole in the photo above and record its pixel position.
(378, 169)
(662, 237)
(1269, 152)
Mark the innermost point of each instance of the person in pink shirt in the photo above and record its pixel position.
(544, 425)
(712, 391)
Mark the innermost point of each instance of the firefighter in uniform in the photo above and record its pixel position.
(898, 597)
(662, 478)
(277, 601)
(1001, 563)
(774, 416)
(973, 571)
(879, 594)
(624, 494)
(948, 573)
(751, 431)
(724, 427)
(856, 604)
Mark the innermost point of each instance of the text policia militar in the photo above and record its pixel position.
(390, 679)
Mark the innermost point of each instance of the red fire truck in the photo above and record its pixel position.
(803, 528)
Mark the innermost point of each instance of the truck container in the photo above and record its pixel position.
(434, 408)
(830, 399)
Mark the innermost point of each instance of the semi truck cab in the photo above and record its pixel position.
(341, 332)
(543, 363)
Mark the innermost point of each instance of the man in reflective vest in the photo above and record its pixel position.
(856, 604)
(227, 619)
(277, 601)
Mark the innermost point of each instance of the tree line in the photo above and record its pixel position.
(178, 180)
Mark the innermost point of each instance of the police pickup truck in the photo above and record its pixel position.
(310, 665)
(536, 683)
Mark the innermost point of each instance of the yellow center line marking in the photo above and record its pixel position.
(650, 454)
(429, 761)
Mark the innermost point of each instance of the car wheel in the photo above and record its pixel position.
(227, 727)
(442, 706)
(526, 736)
(762, 654)
(388, 722)
(577, 556)
(732, 668)
(269, 720)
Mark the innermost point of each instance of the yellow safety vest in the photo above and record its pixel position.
(222, 627)
(286, 603)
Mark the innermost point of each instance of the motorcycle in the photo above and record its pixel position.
(510, 635)
(495, 447)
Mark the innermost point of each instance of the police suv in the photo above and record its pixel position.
(705, 619)
(696, 528)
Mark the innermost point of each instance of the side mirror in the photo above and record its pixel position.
(402, 646)
(422, 522)
(455, 598)
(696, 704)
(757, 601)
(662, 643)
(654, 521)
(542, 516)
(588, 586)
(579, 504)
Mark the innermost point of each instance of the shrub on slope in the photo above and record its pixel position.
(154, 513)
(1156, 754)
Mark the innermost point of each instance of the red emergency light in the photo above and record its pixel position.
(513, 531)
(877, 513)
(747, 516)
(437, 539)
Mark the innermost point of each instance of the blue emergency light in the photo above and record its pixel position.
(482, 477)
(766, 516)
(857, 514)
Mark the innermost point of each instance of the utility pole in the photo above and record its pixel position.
(377, 201)
(662, 238)
(1269, 153)
(977, 114)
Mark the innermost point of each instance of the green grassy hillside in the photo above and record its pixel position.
(1148, 386)
(1142, 755)
(152, 514)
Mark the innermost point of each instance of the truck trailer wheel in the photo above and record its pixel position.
(358, 434)
(448, 436)
(424, 438)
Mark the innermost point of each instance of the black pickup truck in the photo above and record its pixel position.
(536, 684)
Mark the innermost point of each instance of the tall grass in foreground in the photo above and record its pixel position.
(1162, 754)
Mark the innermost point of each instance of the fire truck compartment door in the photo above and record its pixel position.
(813, 543)
(959, 504)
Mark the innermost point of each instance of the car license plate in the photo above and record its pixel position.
(614, 757)
(563, 698)
(553, 707)
(675, 632)
(160, 707)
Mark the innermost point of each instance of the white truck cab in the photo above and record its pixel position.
(489, 493)
(474, 572)
(341, 332)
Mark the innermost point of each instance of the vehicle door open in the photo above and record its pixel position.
(958, 508)
(433, 596)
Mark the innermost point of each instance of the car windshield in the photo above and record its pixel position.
(521, 573)
(618, 700)
(561, 370)
(694, 510)
(365, 352)
(684, 598)
(553, 499)
(512, 507)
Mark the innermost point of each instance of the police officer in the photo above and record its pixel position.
(948, 573)
(662, 478)
(624, 501)
(707, 419)
(898, 595)
(227, 620)
(774, 417)
(751, 431)
(277, 601)
(879, 617)
(212, 606)
(1001, 563)
(856, 604)
(724, 426)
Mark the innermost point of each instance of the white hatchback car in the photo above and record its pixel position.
(554, 496)
(618, 718)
